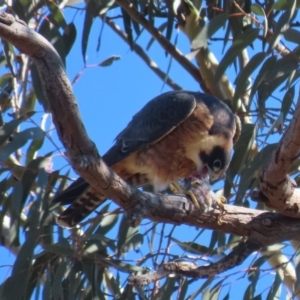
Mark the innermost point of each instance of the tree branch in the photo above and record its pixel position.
(278, 190)
(235, 258)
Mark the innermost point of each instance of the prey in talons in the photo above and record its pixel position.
(199, 191)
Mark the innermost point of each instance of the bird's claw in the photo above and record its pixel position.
(200, 192)
(193, 199)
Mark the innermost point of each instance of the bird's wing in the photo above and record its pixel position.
(154, 121)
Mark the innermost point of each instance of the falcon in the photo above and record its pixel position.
(173, 136)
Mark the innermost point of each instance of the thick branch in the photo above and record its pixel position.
(278, 189)
(235, 258)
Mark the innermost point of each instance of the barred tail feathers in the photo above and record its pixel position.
(88, 201)
(84, 205)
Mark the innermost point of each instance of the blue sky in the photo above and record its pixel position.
(109, 96)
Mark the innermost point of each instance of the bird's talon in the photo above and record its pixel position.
(193, 199)
(220, 203)
(176, 188)
(221, 200)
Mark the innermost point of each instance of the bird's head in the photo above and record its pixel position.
(214, 162)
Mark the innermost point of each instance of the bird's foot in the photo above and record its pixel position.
(201, 194)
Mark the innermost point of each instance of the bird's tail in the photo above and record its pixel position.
(84, 199)
(83, 205)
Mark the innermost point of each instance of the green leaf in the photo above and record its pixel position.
(249, 173)
(161, 28)
(259, 11)
(227, 297)
(107, 223)
(208, 31)
(221, 239)
(151, 12)
(283, 66)
(136, 25)
(242, 81)
(109, 61)
(192, 247)
(51, 32)
(253, 277)
(242, 148)
(38, 87)
(166, 291)
(125, 234)
(125, 267)
(106, 5)
(64, 250)
(215, 290)
(266, 89)
(132, 243)
(69, 37)
(111, 283)
(56, 15)
(92, 10)
(6, 89)
(30, 175)
(265, 69)
(283, 5)
(34, 146)
(213, 241)
(57, 280)
(170, 25)
(184, 284)
(206, 283)
(19, 140)
(226, 36)
(127, 27)
(287, 102)
(249, 293)
(292, 35)
(37, 271)
(10, 127)
(128, 293)
(260, 261)
(39, 209)
(21, 269)
(9, 53)
(275, 290)
(274, 248)
(244, 40)
(282, 25)
(61, 187)
(16, 210)
(29, 102)
(94, 245)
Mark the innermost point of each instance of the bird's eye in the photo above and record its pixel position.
(217, 165)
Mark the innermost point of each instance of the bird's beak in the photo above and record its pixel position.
(212, 176)
(202, 173)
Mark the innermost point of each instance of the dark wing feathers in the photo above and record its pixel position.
(156, 119)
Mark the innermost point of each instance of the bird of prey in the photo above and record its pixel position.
(173, 136)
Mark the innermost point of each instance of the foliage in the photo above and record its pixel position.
(260, 52)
